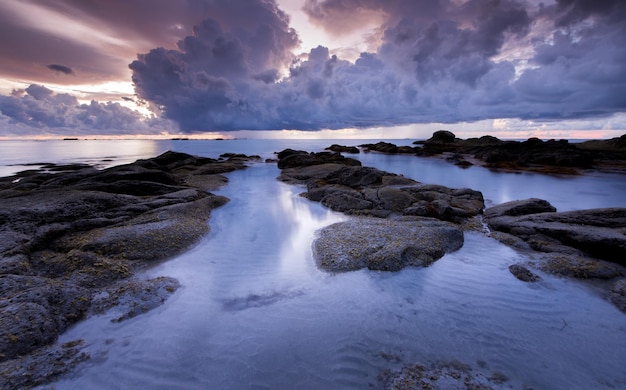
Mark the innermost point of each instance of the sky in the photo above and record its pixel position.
(312, 68)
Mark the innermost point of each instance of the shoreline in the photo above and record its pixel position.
(166, 200)
(74, 241)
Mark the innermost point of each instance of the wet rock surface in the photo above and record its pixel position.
(409, 224)
(583, 244)
(366, 191)
(385, 244)
(71, 240)
(597, 233)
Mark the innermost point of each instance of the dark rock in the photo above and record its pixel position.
(69, 235)
(343, 149)
(369, 191)
(520, 207)
(578, 267)
(293, 159)
(551, 157)
(384, 244)
(598, 233)
(42, 365)
(522, 273)
(442, 137)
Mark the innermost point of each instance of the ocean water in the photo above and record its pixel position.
(254, 312)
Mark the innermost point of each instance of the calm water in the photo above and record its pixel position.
(255, 313)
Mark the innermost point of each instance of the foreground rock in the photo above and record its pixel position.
(584, 244)
(598, 233)
(385, 244)
(69, 237)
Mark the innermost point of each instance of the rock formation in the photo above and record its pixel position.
(71, 235)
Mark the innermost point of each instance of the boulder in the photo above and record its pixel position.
(385, 244)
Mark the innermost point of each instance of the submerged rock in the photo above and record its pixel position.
(522, 273)
(444, 375)
(385, 244)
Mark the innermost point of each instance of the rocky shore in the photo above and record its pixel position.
(74, 236)
(401, 222)
(535, 155)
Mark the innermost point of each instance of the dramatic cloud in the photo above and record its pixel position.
(61, 68)
(439, 61)
(37, 110)
(221, 65)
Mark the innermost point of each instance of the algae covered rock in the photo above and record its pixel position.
(385, 244)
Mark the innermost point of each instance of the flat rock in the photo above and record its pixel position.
(597, 233)
(385, 244)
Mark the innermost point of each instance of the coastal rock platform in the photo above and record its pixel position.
(73, 237)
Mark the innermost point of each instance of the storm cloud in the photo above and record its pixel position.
(38, 107)
(438, 61)
(220, 65)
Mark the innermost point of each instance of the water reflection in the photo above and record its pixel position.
(305, 218)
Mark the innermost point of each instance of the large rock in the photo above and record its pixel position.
(598, 233)
(289, 158)
(384, 244)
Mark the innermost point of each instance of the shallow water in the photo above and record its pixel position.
(254, 312)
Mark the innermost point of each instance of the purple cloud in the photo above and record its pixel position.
(39, 109)
(60, 69)
(436, 64)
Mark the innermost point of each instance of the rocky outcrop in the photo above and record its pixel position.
(385, 244)
(71, 235)
(389, 148)
(584, 244)
(343, 149)
(597, 233)
(366, 191)
(414, 232)
(552, 156)
(290, 158)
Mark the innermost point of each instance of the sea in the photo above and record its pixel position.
(254, 311)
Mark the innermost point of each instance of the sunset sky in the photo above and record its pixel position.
(344, 68)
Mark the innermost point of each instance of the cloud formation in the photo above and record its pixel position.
(61, 69)
(439, 61)
(38, 107)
